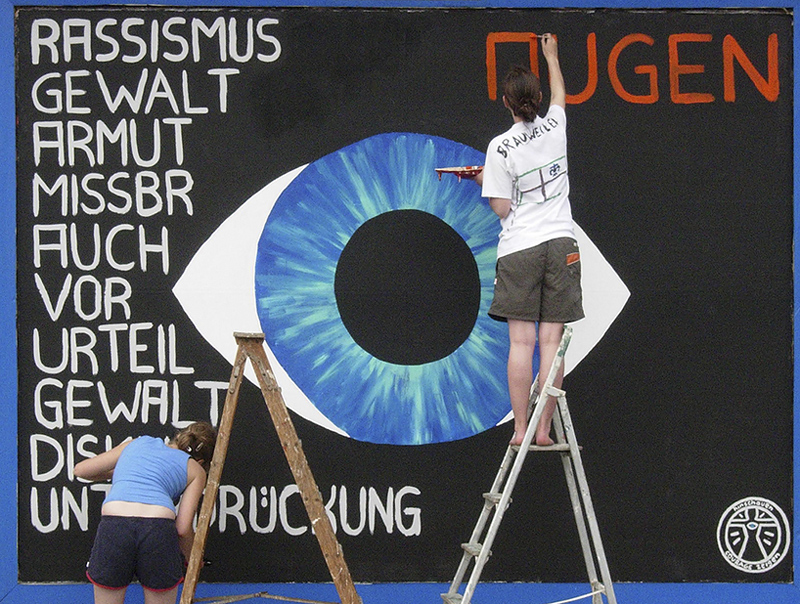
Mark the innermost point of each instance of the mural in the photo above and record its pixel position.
(186, 173)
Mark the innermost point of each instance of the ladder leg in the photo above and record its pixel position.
(298, 464)
(484, 550)
(488, 506)
(214, 475)
(575, 499)
(591, 518)
(474, 550)
(538, 409)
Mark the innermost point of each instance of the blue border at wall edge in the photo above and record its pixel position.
(12, 592)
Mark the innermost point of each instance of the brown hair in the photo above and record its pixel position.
(523, 92)
(198, 440)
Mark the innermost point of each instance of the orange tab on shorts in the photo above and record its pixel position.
(573, 258)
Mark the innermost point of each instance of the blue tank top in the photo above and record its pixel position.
(149, 471)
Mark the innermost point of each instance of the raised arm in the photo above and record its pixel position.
(558, 91)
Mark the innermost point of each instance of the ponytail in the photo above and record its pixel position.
(523, 92)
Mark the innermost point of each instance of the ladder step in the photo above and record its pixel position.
(556, 448)
(494, 498)
(473, 549)
(452, 598)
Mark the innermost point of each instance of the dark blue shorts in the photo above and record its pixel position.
(145, 548)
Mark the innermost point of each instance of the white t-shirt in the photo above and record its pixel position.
(528, 165)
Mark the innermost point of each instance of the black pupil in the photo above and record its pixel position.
(407, 287)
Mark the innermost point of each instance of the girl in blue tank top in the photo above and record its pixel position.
(143, 533)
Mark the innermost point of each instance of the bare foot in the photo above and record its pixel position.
(516, 440)
(543, 433)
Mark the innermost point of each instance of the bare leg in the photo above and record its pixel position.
(108, 596)
(549, 341)
(522, 336)
(161, 597)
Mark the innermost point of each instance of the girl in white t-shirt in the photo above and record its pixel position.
(537, 286)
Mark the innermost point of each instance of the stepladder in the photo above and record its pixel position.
(477, 550)
(251, 347)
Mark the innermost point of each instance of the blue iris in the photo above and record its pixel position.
(312, 221)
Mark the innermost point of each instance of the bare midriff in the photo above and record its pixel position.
(139, 510)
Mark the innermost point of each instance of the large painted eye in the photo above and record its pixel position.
(370, 278)
(372, 282)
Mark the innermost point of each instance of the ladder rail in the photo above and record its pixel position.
(195, 562)
(591, 517)
(511, 481)
(575, 499)
(486, 511)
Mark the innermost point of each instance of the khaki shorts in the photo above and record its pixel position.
(542, 283)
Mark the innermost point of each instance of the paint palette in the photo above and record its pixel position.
(461, 171)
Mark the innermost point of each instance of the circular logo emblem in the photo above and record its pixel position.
(753, 535)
